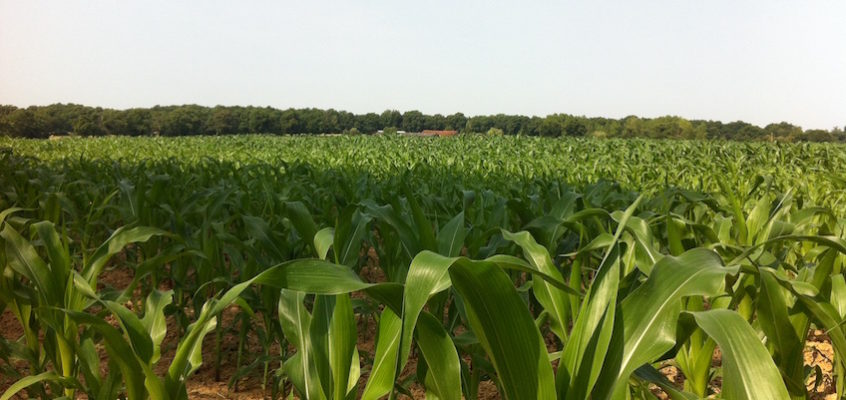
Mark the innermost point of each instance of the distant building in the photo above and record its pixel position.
(438, 133)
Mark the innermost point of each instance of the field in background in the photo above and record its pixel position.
(496, 163)
(337, 267)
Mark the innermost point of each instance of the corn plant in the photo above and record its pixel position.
(41, 294)
(544, 268)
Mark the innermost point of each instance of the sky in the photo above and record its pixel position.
(757, 61)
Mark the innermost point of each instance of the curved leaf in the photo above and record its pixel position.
(748, 369)
(441, 357)
(651, 312)
(505, 329)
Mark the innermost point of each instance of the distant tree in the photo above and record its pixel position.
(390, 131)
(574, 126)
(57, 119)
(782, 130)
(5, 110)
(699, 132)
(223, 121)
(391, 118)
(183, 121)
(264, 120)
(368, 123)
(436, 122)
(495, 132)
(739, 130)
(632, 127)
(89, 123)
(413, 121)
(289, 121)
(532, 127)
(815, 135)
(456, 122)
(346, 120)
(550, 127)
(713, 129)
(60, 119)
(139, 121)
(509, 124)
(607, 126)
(22, 123)
(479, 123)
(749, 132)
(114, 122)
(669, 127)
(311, 120)
(5, 124)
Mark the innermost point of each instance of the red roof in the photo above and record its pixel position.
(439, 133)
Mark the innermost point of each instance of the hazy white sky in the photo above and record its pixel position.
(759, 61)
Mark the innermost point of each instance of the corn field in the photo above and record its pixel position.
(543, 268)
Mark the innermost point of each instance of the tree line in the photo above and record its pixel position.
(184, 120)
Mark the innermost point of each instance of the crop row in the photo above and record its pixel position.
(514, 262)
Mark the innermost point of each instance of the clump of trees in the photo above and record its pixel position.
(74, 119)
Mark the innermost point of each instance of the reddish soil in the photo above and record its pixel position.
(818, 352)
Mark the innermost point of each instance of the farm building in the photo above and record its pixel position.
(438, 133)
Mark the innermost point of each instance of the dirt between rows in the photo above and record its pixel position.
(204, 384)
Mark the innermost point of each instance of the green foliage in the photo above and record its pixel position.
(495, 132)
(391, 131)
(189, 120)
(543, 267)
